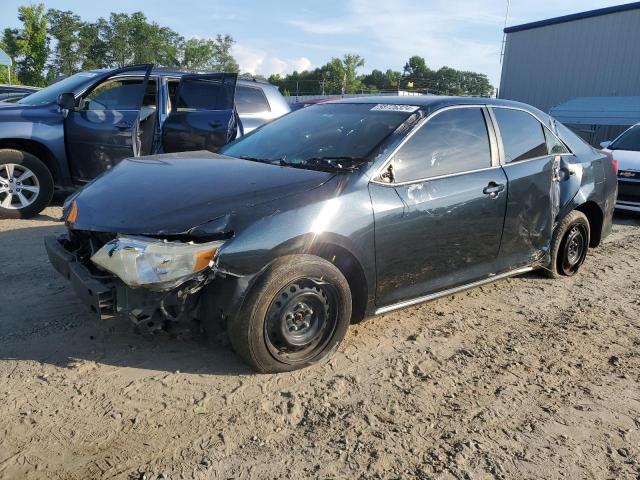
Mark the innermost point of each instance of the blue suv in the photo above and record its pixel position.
(65, 135)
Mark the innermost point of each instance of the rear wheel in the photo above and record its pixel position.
(570, 245)
(296, 315)
(26, 185)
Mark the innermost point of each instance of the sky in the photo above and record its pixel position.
(285, 35)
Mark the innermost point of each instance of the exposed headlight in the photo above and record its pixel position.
(155, 264)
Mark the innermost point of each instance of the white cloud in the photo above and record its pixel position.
(260, 62)
(444, 32)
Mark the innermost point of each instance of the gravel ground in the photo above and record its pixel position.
(524, 378)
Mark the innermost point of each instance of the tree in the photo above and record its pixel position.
(197, 54)
(209, 54)
(224, 61)
(10, 46)
(341, 74)
(416, 67)
(64, 27)
(29, 46)
(93, 49)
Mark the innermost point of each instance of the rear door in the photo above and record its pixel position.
(102, 130)
(202, 115)
(533, 174)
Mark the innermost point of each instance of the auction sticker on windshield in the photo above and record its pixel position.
(386, 107)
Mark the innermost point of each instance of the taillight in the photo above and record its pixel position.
(614, 162)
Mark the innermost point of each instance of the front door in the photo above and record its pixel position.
(438, 222)
(202, 115)
(103, 129)
(532, 167)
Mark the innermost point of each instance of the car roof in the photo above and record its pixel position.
(432, 101)
(172, 72)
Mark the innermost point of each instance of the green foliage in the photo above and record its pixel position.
(416, 76)
(445, 81)
(29, 47)
(64, 27)
(120, 40)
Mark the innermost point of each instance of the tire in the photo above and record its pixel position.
(295, 315)
(32, 194)
(569, 246)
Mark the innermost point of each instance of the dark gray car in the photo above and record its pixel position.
(68, 133)
(335, 212)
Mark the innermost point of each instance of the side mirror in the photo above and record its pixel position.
(67, 101)
(605, 144)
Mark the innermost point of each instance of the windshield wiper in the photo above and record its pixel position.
(255, 159)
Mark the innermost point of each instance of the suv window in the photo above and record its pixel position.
(453, 141)
(522, 135)
(251, 100)
(205, 94)
(115, 95)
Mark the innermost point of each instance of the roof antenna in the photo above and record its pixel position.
(504, 35)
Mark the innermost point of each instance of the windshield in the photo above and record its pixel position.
(629, 140)
(50, 93)
(327, 135)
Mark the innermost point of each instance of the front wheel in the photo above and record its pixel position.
(296, 314)
(26, 184)
(570, 245)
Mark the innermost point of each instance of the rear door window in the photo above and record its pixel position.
(206, 92)
(251, 100)
(522, 135)
(453, 141)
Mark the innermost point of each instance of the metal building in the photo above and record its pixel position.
(589, 54)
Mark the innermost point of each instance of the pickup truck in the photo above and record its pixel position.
(65, 135)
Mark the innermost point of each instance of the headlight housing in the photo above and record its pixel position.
(155, 264)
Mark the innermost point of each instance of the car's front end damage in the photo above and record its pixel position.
(154, 282)
(151, 254)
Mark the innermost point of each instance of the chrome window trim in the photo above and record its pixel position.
(544, 126)
(438, 177)
(450, 291)
(417, 128)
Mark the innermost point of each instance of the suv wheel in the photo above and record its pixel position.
(296, 314)
(569, 245)
(26, 185)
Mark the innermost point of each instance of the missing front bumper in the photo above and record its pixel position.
(97, 294)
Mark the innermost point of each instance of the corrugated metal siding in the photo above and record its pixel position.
(597, 56)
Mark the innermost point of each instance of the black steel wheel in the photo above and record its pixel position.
(301, 320)
(570, 245)
(296, 314)
(574, 249)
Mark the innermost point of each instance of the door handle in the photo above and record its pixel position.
(123, 125)
(493, 189)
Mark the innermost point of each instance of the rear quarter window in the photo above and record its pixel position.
(251, 100)
(522, 135)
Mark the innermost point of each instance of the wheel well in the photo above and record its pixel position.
(353, 272)
(36, 149)
(596, 217)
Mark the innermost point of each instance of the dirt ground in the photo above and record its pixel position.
(524, 378)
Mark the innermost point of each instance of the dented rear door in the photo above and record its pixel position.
(533, 174)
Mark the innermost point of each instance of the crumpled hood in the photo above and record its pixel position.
(172, 193)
